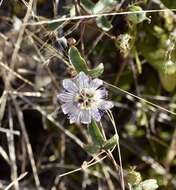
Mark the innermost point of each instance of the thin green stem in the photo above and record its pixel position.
(109, 113)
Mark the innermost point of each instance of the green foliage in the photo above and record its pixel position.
(150, 184)
(168, 81)
(99, 7)
(98, 141)
(110, 143)
(80, 65)
(92, 149)
(76, 60)
(136, 18)
(135, 182)
(103, 23)
(88, 5)
(153, 46)
(95, 134)
(103, 6)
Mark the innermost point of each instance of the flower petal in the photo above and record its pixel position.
(105, 105)
(75, 117)
(67, 107)
(69, 85)
(101, 93)
(86, 88)
(82, 80)
(95, 114)
(65, 97)
(95, 83)
(72, 111)
(86, 117)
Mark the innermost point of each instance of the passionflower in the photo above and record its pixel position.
(84, 99)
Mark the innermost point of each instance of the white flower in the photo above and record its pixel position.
(84, 99)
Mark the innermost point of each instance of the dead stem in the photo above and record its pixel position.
(27, 141)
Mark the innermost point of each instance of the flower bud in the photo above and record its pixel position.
(133, 177)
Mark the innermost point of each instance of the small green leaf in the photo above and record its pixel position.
(103, 23)
(95, 134)
(88, 5)
(136, 17)
(80, 64)
(97, 71)
(150, 184)
(168, 67)
(168, 81)
(110, 143)
(92, 149)
(76, 60)
(103, 5)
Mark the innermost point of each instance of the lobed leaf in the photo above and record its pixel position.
(80, 64)
(95, 134)
(110, 143)
(76, 60)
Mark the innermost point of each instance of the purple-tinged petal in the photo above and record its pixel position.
(96, 114)
(96, 83)
(105, 105)
(70, 86)
(101, 93)
(72, 111)
(80, 91)
(82, 80)
(75, 117)
(67, 107)
(65, 97)
(85, 117)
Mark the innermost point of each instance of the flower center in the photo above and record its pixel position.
(85, 98)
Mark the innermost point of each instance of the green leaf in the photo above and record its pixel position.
(92, 149)
(103, 5)
(153, 48)
(76, 60)
(167, 75)
(150, 184)
(136, 17)
(110, 143)
(97, 71)
(103, 23)
(88, 5)
(168, 67)
(80, 64)
(168, 81)
(95, 134)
